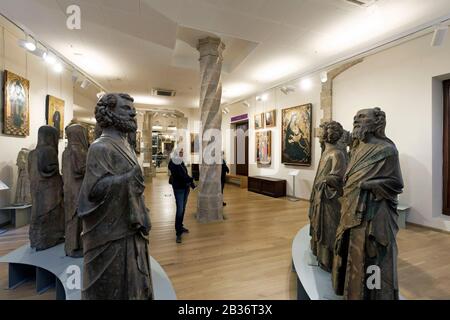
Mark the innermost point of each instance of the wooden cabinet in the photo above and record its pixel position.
(268, 186)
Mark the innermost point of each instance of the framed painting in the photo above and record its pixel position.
(16, 105)
(296, 135)
(270, 118)
(264, 147)
(195, 143)
(54, 112)
(259, 121)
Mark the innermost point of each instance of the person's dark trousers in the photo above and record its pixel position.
(181, 198)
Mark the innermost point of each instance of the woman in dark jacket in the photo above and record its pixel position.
(181, 183)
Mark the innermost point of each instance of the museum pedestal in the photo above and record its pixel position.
(18, 216)
(313, 283)
(51, 268)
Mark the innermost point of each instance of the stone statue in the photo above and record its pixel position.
(47, 212)
(131, 137)
(111, 205)
(324, 210)
(73, 168)
(23, 193)
(365, 240)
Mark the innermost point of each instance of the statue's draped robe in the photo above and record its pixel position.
(324, 210)
(368, 226)
(23, 192)
(47, 211)
(115, 224)
(73, 168)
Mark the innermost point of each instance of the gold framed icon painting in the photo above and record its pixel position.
(259, 121)
(16, 105)
(264, 147)
(296, 135)
(55, 114)
(270, 118)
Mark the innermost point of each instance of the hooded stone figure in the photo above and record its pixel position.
(324, 210)
(365, 263)
(23, 195)
(111, 205)
(47, 211)
(73, 168)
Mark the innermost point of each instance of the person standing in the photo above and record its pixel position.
(181, 183)
(225, 170)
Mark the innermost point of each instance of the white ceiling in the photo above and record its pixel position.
(135, 45)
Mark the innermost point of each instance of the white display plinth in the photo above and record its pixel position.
(49, 269)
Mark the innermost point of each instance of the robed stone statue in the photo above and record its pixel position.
(47, 211)
(73, 168)
(324, 210)
(365, 263)
(23, 192)
(111, 204)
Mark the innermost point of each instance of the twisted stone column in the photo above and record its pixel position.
(209, 204)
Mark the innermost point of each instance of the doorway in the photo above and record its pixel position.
(241, 149)
(446, 150)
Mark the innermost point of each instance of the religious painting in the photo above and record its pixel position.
(296, 135)
(55, 114)
(195, 143)
(16, 105)
(264, 147)
(259, 121)
(270, 118)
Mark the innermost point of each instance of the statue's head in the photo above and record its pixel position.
(48, 136)
(331, 132)
(369, 121)
(77, 134)
(116, 110)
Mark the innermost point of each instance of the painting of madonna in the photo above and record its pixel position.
(296, 135)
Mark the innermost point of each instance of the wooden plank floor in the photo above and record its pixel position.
(248, 256)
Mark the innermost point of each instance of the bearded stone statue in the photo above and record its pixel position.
(111, 205)
(324, 210)
(366, 237)
(47, 211)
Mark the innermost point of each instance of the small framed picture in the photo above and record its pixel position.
(270, 118)
(259, 121)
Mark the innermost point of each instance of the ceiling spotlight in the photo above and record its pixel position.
(30, 46)
(85, 83)
(323, 76)
(287, 89)
(263, 97)
(245, 103)
(440, 32)
(49, 58)
(58, 67)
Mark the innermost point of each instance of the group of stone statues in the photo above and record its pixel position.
(353, 208)
(97, 205)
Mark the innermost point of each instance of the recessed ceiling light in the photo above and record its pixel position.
(306, 84)
(151, 100)
(277, 69)
(58, 67)
(236, 89)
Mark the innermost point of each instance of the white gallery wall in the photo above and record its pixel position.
(406, 82)
(43, 81)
